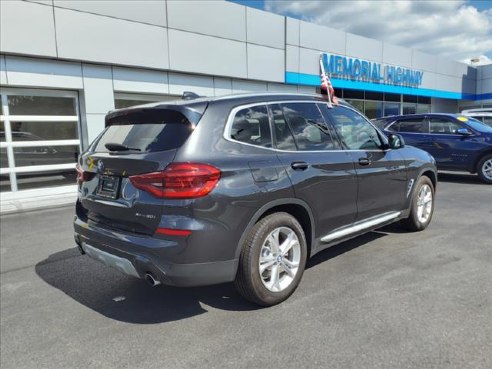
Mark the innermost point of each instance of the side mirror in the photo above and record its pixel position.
(463, 132)
(395, 141)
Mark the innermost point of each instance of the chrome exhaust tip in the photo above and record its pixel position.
(151, 280)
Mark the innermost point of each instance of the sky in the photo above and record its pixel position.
(458, 29)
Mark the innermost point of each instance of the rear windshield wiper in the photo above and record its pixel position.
(119, 147)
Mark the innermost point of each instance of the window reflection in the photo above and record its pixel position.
(26, 181)
(45, 155)
(38, 131)
(41, 105)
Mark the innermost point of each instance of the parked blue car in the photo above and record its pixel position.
(458, 143)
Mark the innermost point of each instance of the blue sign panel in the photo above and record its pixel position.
(362, 70)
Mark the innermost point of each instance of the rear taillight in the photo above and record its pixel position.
(83, 176)
(179, 181)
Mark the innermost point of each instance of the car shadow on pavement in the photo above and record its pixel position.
(131, 300)
(128, 299)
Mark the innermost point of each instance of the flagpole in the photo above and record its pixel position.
(323, 73)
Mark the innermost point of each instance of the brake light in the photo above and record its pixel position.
(83, 176)
(179, 181)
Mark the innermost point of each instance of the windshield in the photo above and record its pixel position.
(479, 126)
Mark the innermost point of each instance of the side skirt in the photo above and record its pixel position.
(357, 229)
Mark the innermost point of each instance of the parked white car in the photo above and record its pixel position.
(483, 115)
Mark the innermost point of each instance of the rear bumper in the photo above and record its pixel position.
(137, 255)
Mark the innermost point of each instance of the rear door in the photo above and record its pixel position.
(139, 142)
(321, 173)
(415, 131)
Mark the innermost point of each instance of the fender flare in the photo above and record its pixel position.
(270, 205)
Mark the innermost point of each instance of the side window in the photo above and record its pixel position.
(411, 126)
(284, 139)
(443, 126)
(356, 132)
(251, 125)
(308, 126)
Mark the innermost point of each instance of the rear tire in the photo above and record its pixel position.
(484, 169)
(422, 206)
(272, 260)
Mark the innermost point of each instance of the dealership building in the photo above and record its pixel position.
(65, 64)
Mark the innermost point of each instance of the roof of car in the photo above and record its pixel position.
(266, 96)
(199, 104)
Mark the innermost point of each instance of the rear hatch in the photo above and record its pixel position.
(135, 141)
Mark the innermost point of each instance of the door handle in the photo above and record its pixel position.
(364, 161)
(299, 165)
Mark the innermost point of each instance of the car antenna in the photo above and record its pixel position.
(188, 95)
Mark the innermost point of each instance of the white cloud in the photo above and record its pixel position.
(449, 28)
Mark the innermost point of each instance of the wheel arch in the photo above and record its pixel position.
(480, 157)
(428, 172)
(295, 207)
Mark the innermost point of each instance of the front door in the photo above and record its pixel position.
(450, 149)
(381, 174)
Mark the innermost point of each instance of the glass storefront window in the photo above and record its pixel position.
(2, 132)
(63, 177)
(4, 161)
(45, 155)
(44, 141)
(353, 94)
(38, 131)
(41, 105)
(423, 108)
(409, 108)
(391, 109)
(5, 183)
(410, 98)
(126, 100)
(370, 95)
(358, 104)
(392, 97)
(373, 109)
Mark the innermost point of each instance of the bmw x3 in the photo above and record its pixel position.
(242, 189)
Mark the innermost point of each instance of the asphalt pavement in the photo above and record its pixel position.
(387, 299)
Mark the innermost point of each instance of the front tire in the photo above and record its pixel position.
(272, 260)
(422, 206)
(484, 169)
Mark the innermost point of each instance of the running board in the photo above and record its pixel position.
(368, 223)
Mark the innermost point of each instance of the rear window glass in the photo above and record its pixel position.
(160, 131)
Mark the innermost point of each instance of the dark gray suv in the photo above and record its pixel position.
(242, 188)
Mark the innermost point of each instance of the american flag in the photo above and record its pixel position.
(326, 86)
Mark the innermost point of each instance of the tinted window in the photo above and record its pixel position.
(148, 131)
(309, 128)
(356, 132)
(251, 125)
(284, 140)
(410, 126)
(443, 126)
